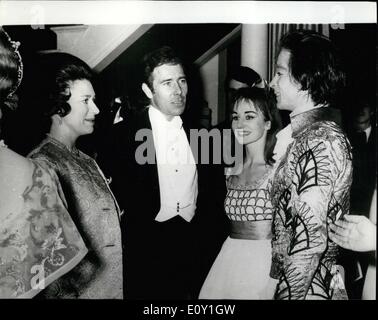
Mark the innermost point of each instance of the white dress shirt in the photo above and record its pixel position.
(367, 132)
(284, 138)
(177, 170)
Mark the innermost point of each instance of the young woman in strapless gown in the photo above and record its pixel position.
(241, 269)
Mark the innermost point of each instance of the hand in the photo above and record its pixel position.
(354, 232)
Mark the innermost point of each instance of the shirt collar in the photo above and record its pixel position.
(284, 138)
(284, 133)
(368, 131)
(159, 118)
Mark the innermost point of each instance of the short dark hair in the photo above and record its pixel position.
(60, 70)
(264, 99)
(156, 58)
(315, 64)
(244, 75)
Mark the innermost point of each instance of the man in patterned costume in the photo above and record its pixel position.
(312, 182)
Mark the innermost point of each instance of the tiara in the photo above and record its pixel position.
(15, 45)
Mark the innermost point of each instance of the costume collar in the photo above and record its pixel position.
(303, 120)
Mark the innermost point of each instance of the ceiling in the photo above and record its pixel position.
(190, 42)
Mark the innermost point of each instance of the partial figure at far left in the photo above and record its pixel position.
(39, 242)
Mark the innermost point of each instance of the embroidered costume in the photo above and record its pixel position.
(310, 189)
(38, 239)
(96, 213)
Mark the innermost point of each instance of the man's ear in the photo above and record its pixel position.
(268, 125)
(147, 91)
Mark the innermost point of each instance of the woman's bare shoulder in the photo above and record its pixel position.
(11, 163)
(15, 177)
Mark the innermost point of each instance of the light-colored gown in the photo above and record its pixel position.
(95, 211)
(39, 242)
(241, 269)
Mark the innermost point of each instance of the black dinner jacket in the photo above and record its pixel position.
(364, 171)
(136, 186)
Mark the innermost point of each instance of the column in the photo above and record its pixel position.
(254, 48)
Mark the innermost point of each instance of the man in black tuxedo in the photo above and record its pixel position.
(155, 180)
(363, 138)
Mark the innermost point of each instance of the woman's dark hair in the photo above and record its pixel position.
(156, 58)
(59, 70)
(315, 64)
(264, 100)
(63, 69)
(10, 69)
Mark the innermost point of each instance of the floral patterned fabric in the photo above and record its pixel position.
(38, 239)
(95, 211)
(310, 189)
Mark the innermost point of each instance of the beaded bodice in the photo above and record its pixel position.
(250, 202)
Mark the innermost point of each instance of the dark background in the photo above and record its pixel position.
(357, 44)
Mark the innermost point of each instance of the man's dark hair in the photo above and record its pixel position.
(156, 58)
(315, 64)
(244, 75)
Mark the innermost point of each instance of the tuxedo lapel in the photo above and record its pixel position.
(372, 138)
(152, 168)
(147, 174)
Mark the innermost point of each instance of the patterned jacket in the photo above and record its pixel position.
(95, 212)
(311, 188)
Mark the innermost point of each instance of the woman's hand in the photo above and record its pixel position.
(354, 232)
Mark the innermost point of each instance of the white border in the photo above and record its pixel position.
(141, 12)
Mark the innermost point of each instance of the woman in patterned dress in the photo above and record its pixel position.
(38, 240)
(70, 105)
(241, 270)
